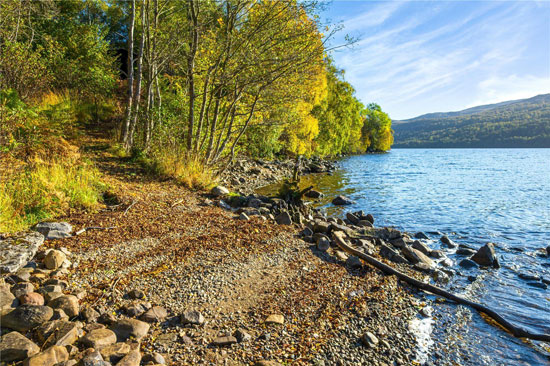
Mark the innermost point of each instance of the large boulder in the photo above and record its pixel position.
(342, 201)
(16, 251)
(486, 256)
(26, 317)
(50, 357)
(16, 347)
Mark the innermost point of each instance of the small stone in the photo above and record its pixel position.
(130, 328)
(155, 357)
(486, 256)
(266, 363)
(115, 352)
(242, 336)
(50, 296)
(16, 347)
(99, 338)
(32, 298)
(275, 319)
(7, 300)
(93, 358)
(423, 248)
(420, 235)
(133, 358)
(219, 191)
(341, 201)
(468, 263)
(370, 218)
(353, 262)
(369, 340)
(50, 357)
(323, 244)
(155, 314)
(192, 317)
(106, 318)
(438, 254)
(465, 251)
(54, 259)
(136, 294)
(364, 223)
(448, 242)
(89, 314)
(59, 314)
(136, 309)
(67, 303)
(22, 288)
(244, 217)
(26, 317)
(224, 341)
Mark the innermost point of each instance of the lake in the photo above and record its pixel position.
(474, 196)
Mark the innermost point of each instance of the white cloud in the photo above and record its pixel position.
(501, 89)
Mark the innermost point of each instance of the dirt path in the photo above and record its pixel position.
(185, 255)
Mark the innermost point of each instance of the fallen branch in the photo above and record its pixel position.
(82, 231)
(129, 207)
(514, 330)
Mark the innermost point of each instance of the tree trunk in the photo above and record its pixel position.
(193, 44)
(129, 100)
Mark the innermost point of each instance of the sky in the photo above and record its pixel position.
(417, 57)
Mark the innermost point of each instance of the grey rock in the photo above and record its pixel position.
(486, 256)
(342, 201)
(323, 244)
(16, 347)
(352, 218)
(448, 242)
(321, 227)
(307, 232)
(22, 288)
(438, 254)
(465, 251)
(26, 317)
(369, 340)
(283, 218)
(115, 352)
(50, 357)
(7, 300)
(415, 256)
(353, 262)
(314, 194)
(224, 341)
(244, 217)
(219, 191)
(467, 263)
(154, 357)
(192, 317)
(54, 230)
(89, 314)
(420, 235)
(136, 294)
(418, 245)
(155, 314)
(16, 251)
(94, 358)
(242, 336)
(370, 218)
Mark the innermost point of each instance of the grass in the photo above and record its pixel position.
(45, 189)
(189, 170)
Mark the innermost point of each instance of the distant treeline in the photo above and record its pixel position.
(523, 123)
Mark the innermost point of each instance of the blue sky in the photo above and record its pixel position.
(416, 57)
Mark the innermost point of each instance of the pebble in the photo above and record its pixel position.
(275, 319)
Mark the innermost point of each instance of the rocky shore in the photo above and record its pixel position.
(171, 277)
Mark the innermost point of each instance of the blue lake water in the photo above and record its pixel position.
(474, 196)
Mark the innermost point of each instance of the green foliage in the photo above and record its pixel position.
(524, 123)
(46, 189)
(377, 132)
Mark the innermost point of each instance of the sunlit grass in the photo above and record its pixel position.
(190, 170)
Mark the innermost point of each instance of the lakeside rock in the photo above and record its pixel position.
(18, 250)
(486, 256)
(219, 191)
(448, 242)
(16, 347)
(26, 317)
(54, 230)
(342, 201)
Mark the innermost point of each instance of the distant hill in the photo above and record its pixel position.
(516, 123)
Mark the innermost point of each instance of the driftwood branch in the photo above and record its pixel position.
(514, 330)
(129, 207)
(82, 231)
